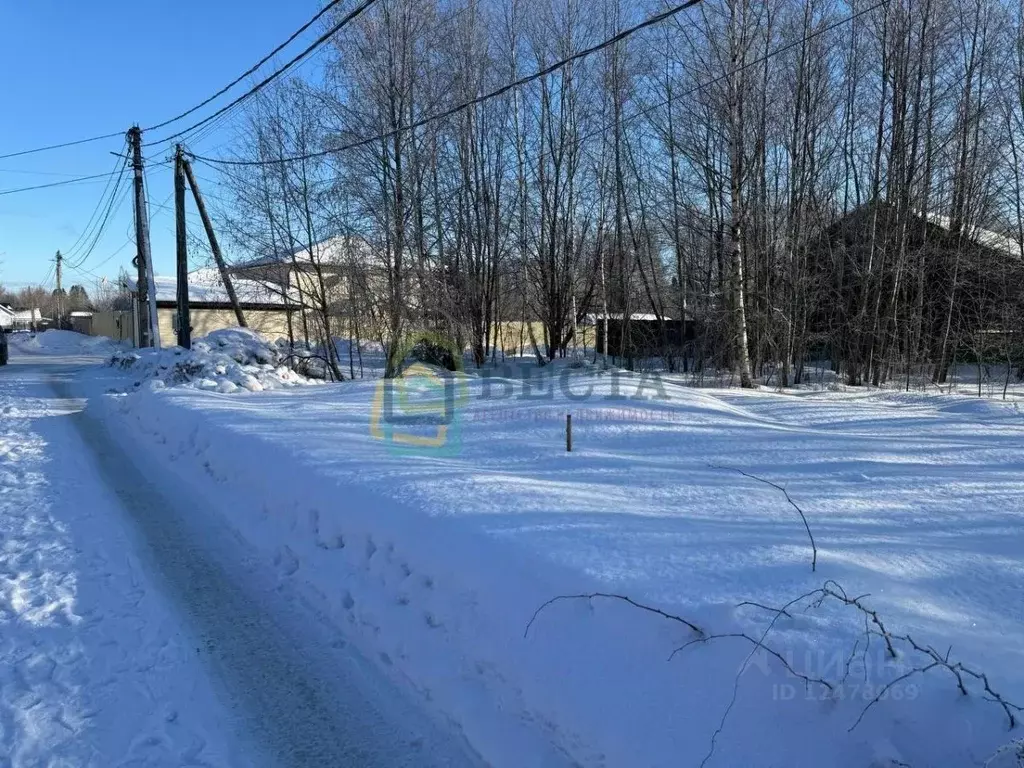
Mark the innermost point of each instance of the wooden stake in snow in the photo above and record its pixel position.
(568, 432)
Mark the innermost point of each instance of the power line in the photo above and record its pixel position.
(431, 33)
(49, 274)
(542, 73)
(41, 173)
(251, 69)
(127, 242)
(752, 63)
(649, 22)
(93, 217)
(55, 184)
(114, 205)
(74, 143)
(349, 18)
(95, 232)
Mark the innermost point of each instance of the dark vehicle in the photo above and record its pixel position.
(4, 352)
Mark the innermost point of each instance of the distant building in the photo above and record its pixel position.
(963, 284)
(641, 335)
(269, 309)
(81, 322)
(22, 319)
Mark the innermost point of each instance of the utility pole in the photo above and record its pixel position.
(60, 289)
(148, 335)
(184, 313)
(214, 245)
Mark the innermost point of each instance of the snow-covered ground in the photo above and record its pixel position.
(54, 342)
(137, 630)
(438, 561)
(95, 668)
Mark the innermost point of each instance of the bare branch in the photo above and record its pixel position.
(693, 627)
(814, 548)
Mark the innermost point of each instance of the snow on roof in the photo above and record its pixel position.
(984, 237)
(206, 287)
(341, 249)
(11, 317)
(81, 314)
(638, 316)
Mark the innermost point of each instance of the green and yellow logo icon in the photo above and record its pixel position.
(418, 411)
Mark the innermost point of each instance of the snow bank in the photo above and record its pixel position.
(436, 565)
(226, 361)
(54, 342)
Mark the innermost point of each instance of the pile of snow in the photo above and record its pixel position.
(225, 361)
(54, 342)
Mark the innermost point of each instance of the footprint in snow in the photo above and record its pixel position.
(286, 561)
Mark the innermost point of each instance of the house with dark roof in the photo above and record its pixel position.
(920, 286)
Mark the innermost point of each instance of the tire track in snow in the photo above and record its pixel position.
(301, 694)
(86, 648)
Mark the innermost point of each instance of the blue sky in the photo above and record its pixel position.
(78, 69)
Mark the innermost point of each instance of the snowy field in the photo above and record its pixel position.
(435, 562)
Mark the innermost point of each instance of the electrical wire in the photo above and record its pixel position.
(93, 217)
(205, 102)
(49, 274)
(113, 207)
(42, 173)
(213, 162)
(114, 204)
(544, 72)
(334, 29)
(752, 63)
(64, 183)
(75, 143)
(434, 32)
(127, 242)
(251, 70)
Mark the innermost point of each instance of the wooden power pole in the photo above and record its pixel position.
(144, 285)
(214, 245)
(60, 290)
(184, 314)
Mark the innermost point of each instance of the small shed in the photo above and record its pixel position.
(645, 335)
(81, 322)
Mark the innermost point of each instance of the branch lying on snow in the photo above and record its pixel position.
(780, 611)
(830, 590)
(873, 626)
(693, 627)
(814, 548)
(757, 644)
